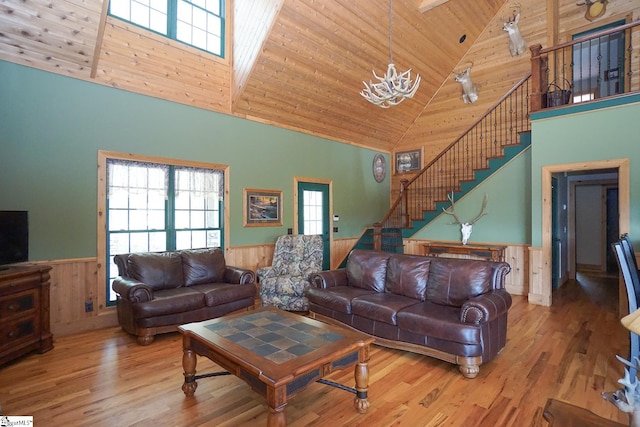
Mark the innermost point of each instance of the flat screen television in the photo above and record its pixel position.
(14, 237)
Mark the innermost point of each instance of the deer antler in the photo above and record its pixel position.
(483, 212)
(451, 210)
(626, 399)
(468, 64)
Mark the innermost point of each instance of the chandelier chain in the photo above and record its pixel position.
(393, 87)
(390, 31)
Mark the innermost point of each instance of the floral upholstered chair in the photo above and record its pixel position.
(283, 283)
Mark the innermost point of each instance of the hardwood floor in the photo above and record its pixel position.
(566, 352)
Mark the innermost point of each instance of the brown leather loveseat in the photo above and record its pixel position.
(451, 309)
(158, 291)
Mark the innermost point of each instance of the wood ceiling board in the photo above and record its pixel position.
(427, 5)
(56, 36)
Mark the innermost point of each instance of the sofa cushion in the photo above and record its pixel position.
(203, 266)
(381, 307)
(367, 269)
(454, 281)
(169, 301)
(336, 298)
(159, 270)
(222, 293)
(438, 321)
(407, 275)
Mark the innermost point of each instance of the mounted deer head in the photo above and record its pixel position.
(627, 399)
(517, 45)
(465, 227)
(469, 88)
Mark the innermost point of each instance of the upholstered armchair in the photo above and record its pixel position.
(283, 284)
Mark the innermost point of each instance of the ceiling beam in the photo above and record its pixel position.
(430, 4)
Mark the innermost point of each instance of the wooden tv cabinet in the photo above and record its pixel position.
(24, 311)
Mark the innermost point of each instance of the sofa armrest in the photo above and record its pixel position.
(132, 290)
(329, 279)
(238, 275)
(266, 272)
(485, 307)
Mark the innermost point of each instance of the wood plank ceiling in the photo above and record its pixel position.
(299, 64)
(314, 59)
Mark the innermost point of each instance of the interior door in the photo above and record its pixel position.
(313, 215)
(556, 255)
(613, 229)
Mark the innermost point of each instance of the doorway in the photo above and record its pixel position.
(598, 69)
(313, 213)
(595, 221)
(541, 289)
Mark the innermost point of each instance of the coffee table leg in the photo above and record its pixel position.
(189, 366)
(276, 417)
(362, 384)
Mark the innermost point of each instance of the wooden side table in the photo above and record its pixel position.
(488, 252)
(24, 311)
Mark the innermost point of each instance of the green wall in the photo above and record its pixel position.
(52, 126)
(508, 207)
(582, 135)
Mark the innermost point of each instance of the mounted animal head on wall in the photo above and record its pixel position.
(469, 88)
(517, 44)
(465, 227)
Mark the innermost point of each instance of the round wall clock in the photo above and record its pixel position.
(379, 167)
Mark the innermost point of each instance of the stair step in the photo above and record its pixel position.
(492, 151)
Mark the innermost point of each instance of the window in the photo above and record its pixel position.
(155, 207)
(312, 203)
(199, 23)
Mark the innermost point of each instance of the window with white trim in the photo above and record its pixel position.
(199, 23)
(155, 207)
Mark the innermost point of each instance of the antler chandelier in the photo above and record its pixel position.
(394, 87)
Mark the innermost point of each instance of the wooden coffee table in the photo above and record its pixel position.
(277, 353)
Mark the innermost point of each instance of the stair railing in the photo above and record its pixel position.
(596, 66)
(498, 128)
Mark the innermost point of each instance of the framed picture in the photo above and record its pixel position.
(379, 167)
(262, 208)
(408, 161)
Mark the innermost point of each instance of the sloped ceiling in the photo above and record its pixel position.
(312, 63)
(298, 64)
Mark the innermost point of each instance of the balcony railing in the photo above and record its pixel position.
(594, 66)
(591, 67)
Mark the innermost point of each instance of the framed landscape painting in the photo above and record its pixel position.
(262, 208)
(408, 161)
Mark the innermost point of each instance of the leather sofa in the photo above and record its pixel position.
(158, 291)
(451, 309)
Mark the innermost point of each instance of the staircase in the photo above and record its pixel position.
(497, 137)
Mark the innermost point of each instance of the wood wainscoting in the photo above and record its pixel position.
(75, 281)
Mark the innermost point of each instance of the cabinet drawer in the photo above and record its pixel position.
(18, 304)
(13, 332)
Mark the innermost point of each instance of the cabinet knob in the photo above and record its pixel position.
(11, 334)
(12, 307)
